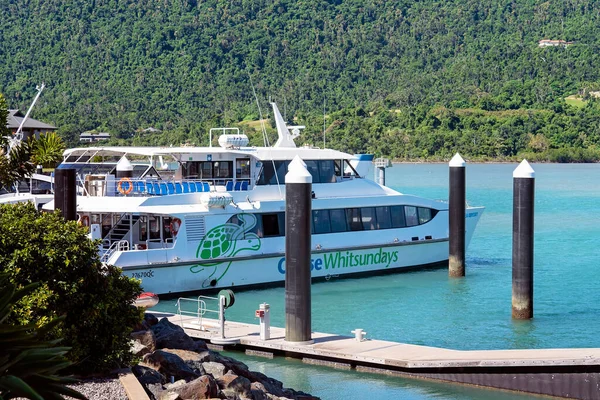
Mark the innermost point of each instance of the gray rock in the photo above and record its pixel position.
(204, 387)
(216, 369)
(145, 338)
(151, 380)
(169, 365)
(138, 349)
(192, 359)
(175, 385)
(169, 335)
(234, 386)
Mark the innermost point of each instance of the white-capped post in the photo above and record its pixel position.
(522, 242)
(298, 215)
(456, 217)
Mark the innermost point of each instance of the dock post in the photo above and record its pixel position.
(522, 242)
(298, 215)
(381, 164)
(65, 193)
(456, 217)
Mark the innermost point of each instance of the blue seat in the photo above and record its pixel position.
(238, 186)
(139, 186)
(199, 187)
(157, 189)
(244, 185)
(149, 188)
(163, 189)
(178, 188)
(192, 187)
(205, 186)
(186, 187)
(171, 187)
(229, 186)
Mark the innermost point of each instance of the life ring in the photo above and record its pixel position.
(85, 220)
(129, 186)
(175, 225)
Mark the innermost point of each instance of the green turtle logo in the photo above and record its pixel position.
(225, 241)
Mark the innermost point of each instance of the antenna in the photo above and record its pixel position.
(18, 137)
(262, 124)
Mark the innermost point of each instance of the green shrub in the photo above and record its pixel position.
(95, 300)
(29, 366)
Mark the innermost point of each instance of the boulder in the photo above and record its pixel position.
(192, 359)
(145, 338)
(204, 387)
(235, 386)
(151, 380)
(150, 319)
(169, 335)
(138, 349)
(169, 365)
(216, 369)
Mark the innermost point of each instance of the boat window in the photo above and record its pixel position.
(368, 218)
(353, 219)
(321, 221)
(242, 168)
(268, 176)
(384, 219)
(281, 216)
(424, 215)
(398, 219)
(167, 234)
(154, 227)
(326, 171)
(338, 220)
(143, 229)
(223, 169)
(337, 167)
(270, 224)
(411, 215)
(313, 167)
(256, 229)
(207, 170)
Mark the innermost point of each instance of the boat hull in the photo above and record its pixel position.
(263, 270)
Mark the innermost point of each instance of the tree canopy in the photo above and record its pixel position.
(446, 73)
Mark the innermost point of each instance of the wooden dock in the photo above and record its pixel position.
(571, 373)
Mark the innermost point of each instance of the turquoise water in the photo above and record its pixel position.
(430, 309)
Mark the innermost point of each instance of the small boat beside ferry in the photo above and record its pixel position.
(185, 219)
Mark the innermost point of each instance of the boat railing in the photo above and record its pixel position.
(160, 187)
(198, 311)
(121, 245)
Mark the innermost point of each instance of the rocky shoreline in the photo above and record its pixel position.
(175, 366)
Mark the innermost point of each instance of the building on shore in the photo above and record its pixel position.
(553, 43)
(31, 127)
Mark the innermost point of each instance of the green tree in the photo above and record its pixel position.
(29, 366)
(47, 150)
(95, 299)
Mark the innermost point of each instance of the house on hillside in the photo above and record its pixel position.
(32, 127)
(91, 136)
(553, 43)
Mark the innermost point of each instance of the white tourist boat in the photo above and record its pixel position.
(186, 219)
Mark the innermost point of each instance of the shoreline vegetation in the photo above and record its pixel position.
(406, 81)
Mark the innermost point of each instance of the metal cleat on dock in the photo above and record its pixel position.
(359, 335)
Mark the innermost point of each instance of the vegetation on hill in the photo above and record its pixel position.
(406, 79)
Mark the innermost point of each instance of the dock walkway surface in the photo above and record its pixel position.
(572, 373)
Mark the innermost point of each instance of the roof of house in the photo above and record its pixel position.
(15, 117)
(94, 134)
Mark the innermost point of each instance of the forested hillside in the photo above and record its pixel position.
(406, 79)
